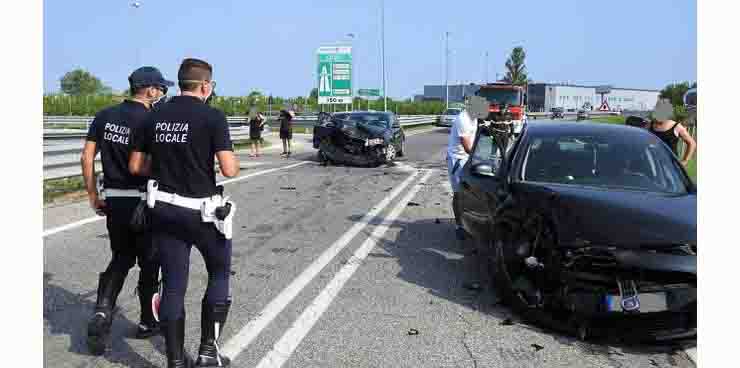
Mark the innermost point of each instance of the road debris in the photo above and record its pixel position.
(287, 188)
(413, 204)
(413, 331)
(507, 322)
(537, 347)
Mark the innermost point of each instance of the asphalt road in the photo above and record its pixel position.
(333, 267)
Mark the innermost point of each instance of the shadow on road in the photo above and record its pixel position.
(67, 313)
(430, 256)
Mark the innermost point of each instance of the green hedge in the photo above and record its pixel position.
(62, 105)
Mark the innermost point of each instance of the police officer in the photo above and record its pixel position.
(111, 134)
(187, 207)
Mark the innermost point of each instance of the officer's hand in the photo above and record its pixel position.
(97, 205)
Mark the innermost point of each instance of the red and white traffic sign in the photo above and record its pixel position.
(604, 106)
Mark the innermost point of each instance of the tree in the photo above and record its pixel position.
(80, 82)
(314, 95)
(516, 72)
(675, 92)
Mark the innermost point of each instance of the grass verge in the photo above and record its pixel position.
(56, 190)
(610, 119)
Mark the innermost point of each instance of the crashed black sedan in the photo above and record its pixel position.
(588, 228)
(359, 138)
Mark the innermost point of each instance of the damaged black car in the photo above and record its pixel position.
(587, 228)
(359, 138)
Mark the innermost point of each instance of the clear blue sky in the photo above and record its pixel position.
(270, 45)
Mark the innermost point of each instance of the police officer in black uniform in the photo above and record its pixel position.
(111, 134)
(185, 134)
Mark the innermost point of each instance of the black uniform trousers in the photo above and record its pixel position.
(129, 247)
(175, 230)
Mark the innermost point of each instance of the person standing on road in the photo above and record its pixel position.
(459, 146)
(256, 125)
(286, 131)
(111, 133)
(188, 208)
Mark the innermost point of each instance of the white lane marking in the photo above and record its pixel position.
(88, 220)
(691, 352)
(253, 328)
(413, 133)
(287, 344)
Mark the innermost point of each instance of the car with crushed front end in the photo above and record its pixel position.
(449, 116)
(587, 228)
(359, 138)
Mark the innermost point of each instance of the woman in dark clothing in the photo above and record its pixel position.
(286, 131)
(255, 134)
(671, 133)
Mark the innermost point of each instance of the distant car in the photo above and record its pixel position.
(449, 117)
(582, 115)
(360, 138)
(557, 113)
(587, 228)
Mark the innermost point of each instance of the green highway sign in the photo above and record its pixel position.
(334, 74)
(369, 92)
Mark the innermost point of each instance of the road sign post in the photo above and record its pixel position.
(334, 74)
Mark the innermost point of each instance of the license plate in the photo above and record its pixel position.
(649, 302)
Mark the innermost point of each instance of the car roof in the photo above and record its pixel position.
(543, 128)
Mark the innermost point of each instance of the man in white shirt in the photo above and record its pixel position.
(459, 147)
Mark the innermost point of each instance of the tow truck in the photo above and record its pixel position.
(506, 104)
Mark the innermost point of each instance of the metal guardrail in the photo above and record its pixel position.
(63, 160)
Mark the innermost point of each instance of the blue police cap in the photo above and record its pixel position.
(148, 76)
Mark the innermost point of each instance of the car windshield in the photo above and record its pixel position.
(611, 161)
(500, 96)
(376, 119)
(452, 112)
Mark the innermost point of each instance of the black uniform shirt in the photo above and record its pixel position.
(112, 131)
(183, 136)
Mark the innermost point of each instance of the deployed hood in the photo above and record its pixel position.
(621, 218)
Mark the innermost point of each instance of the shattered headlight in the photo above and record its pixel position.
(374, 141)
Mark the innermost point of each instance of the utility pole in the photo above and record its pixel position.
(382, 52)
(486, 66)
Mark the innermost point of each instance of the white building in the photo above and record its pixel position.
(544, 97)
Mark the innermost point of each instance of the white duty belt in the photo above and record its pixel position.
(208, 206)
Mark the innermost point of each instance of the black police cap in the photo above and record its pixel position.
(148, 76)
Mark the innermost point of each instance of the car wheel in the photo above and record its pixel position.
(390, 153)
(503, 277)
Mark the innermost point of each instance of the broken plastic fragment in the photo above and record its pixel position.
(413, 331)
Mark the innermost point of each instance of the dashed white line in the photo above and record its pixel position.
(284, 348)
(88, 220)
(253, 328)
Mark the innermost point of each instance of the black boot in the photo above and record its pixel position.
(148, 326)
(174, 338)
(213, 318)
(98, 329)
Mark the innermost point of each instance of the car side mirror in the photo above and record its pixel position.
(483, 169)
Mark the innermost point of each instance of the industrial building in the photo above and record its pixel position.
(545, 96)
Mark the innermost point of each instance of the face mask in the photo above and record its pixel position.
(159, 101)
(208, 99)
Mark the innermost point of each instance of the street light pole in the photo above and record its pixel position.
(382, 52)
(447, 70)
(137, 5)
(355, 69)
(486, 66)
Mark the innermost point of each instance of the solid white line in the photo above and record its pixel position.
(287, 344)
(253, 328)
(88, 220)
